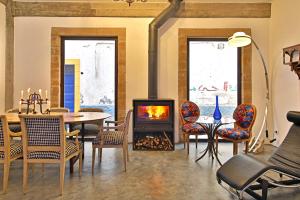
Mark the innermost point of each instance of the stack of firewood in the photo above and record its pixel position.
(161, 142)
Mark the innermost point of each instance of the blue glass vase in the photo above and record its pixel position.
(217, 114)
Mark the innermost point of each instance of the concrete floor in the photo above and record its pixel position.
(150, 176)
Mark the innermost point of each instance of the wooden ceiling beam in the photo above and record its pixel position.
(4, 2)
(114, 9)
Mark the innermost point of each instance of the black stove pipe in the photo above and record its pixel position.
(152, 45)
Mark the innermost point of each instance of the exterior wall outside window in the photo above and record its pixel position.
(213, 70)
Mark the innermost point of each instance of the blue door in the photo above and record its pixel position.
(69, 85)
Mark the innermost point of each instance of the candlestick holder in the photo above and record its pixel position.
(35, 100)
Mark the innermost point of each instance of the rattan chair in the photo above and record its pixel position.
(189, 114)
(44, 141)
(244, 115)
(113, 137)
(10, 150)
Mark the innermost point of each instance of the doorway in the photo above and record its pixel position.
(89, 75)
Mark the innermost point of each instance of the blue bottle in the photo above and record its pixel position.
(217, 114)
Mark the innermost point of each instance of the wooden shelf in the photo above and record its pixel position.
(291, 57)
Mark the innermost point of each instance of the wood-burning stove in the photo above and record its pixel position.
(153, 124)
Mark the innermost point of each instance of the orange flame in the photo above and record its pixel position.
(156, 112)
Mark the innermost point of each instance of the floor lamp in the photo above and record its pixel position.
(240, 39)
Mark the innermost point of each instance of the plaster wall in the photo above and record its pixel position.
(284, 32)
(2, 56)
(33, 40)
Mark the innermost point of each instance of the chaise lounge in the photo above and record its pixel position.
(243, 173)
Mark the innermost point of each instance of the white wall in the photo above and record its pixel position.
(284, 32)
(2, 56)
(33, 40)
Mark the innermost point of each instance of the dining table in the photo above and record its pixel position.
(210, 125)
(71, 118)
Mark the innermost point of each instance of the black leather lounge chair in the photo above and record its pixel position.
(243, 173)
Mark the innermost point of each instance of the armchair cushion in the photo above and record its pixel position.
(193, 128)
(16, 149)
(70, 149)
(232, 133)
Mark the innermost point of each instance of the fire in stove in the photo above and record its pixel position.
(153, 112)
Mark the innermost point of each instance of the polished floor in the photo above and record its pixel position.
(150, 176)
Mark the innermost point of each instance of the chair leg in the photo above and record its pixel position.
(188, 143)
(5, 175)
(217, 143)
(80, 163)
(184, 140)
(25, 176)
(127, 152)
(196, 141)
(62, 177)
(235, 148)
(124, 158)
(246, 147)
(100, 155)
(93, 159)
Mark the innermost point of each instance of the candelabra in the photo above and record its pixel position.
(34, 99)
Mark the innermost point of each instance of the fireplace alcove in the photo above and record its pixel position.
(153, 124)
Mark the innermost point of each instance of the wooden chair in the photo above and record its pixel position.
(244, 115)
(113, 137)
(16, 127)
(189, 114)
(10, 150)
(90, 129)
(44, 141)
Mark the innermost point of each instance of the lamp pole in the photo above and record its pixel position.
(240, 39)
(267, 99)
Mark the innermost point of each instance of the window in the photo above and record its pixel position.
(214, 69)
(89, 74)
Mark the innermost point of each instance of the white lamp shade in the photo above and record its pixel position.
(239, 39)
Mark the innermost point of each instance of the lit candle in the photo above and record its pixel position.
(34, 110)
(28, 91)
(40, 91)
(49, 105)
(46, 94)
(20, 106)
(22, 94)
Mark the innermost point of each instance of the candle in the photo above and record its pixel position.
(40, 92)
(22, 94)
(34, 107)
(28, 91)
(20, 106)
(49, 105)
(46, 94)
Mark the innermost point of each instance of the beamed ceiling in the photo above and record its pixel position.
(160, 1)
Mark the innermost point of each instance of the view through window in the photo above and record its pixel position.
(213, 70)
(90, 74)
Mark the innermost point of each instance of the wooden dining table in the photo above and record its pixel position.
(71, 118)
